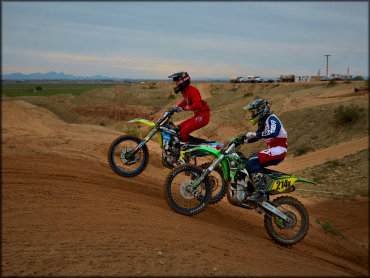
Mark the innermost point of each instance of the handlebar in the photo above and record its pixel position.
(236, 141)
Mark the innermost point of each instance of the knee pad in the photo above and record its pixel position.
(254, 163)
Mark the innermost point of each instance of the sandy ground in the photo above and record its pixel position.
(65, 213)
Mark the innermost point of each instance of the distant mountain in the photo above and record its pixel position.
(52, 76)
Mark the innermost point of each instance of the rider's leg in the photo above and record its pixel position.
(193, 124)
(257, 178)
(256, 161)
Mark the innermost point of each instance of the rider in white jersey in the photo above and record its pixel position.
(272, 131)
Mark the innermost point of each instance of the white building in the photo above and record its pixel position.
(302, 78)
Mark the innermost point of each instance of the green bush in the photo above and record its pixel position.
(348, 114)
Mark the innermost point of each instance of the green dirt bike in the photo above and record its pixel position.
(128, 156)
(188, 190)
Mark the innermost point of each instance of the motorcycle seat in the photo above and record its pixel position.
(195, 140)
(272, 172)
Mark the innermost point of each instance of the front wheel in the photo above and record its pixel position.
(283, 232)
(121, 160)
(180, 194)
(217, 182)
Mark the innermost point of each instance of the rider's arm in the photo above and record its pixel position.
(273, 130)
(194, 95)
(251, 140)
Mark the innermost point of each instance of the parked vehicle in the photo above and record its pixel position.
(236, 79)
(257, 79)
(188, 190)
(270, 81)
(287, 78)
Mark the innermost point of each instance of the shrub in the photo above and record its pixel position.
(302, 150)
(328, 228)
(333, 163)
(347, 81)
(348, 114)
(359, 77)
(332, 83)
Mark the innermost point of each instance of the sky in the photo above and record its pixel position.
(210, 39)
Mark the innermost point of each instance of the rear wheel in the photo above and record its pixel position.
(120, 159)
(180, 194)
(283, 232)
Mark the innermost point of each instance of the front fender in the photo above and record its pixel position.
(148, 123)
(215, 153)
(143, 121)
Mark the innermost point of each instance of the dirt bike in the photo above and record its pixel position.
(128, 156)
(187, 191)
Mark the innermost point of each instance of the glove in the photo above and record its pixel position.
(178, 108)
(251, 135)
(240, 140)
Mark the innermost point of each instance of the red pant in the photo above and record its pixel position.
(193, 124)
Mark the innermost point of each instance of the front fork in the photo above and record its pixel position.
(147, 137)
(212, 166)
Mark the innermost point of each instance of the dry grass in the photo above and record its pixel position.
(345, 178)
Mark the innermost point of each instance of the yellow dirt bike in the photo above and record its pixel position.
(128, 156)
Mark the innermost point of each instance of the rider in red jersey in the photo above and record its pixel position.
(192, 102)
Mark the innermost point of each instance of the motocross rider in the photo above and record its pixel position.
(192, 102)
(272, 131)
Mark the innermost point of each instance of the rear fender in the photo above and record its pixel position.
(283, 183)
(148, 123)
(215, 153)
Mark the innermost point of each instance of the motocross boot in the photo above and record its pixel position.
(260, 182)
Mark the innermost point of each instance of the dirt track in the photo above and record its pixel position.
(66, 213)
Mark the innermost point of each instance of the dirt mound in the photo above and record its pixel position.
(65, 213)
(115, 113)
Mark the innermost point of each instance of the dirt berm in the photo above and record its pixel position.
(65, 213)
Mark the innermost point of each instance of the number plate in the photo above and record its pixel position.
(282, 184)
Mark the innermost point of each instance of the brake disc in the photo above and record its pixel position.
(186, 190)
(282, 224)
(128, 159)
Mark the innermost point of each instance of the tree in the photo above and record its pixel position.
(359, 77)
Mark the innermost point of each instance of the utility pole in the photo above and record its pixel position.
(327, 64)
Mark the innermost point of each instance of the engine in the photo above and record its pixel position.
(242, 187)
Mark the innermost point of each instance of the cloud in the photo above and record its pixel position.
(156, 67)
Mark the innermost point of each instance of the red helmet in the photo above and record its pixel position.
(183, 78)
